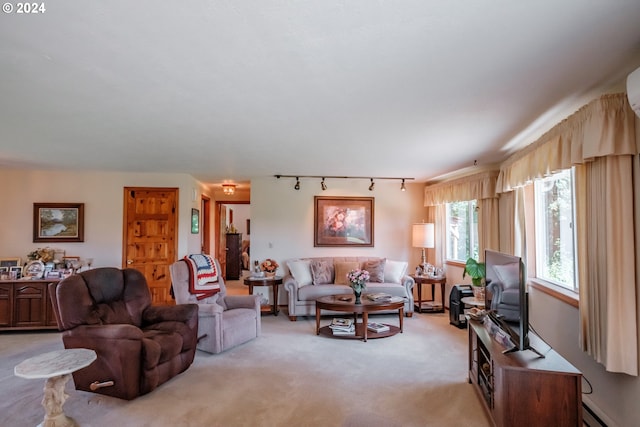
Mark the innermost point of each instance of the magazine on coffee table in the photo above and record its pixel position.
(379, 296)
(377, 327)
(343, 325)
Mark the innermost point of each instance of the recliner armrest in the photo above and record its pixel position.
(173, 313)
(115, 331)
(242, 301)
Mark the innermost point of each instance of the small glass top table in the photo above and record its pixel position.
(56, 367)
(472, 301)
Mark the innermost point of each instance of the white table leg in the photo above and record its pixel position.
(54, 398)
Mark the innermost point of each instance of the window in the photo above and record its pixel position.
(462, 231)
(555, 237)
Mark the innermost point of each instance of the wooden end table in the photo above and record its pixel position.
(429, 280)
(346, 303)
(274, 282)
(56, 367)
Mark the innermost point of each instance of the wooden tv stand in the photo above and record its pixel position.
(521, 388)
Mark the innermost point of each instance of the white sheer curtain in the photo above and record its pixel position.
(599, 139)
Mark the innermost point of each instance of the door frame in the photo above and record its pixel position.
(218, 231)
(205, 239)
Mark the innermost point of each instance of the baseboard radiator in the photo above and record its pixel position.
(589, 418)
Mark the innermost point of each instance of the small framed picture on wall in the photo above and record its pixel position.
(195, 221)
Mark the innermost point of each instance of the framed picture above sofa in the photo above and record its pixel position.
(343, 221)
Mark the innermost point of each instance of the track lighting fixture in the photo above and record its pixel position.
(323, 185)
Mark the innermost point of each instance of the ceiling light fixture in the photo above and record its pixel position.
(229, 189)
(324, 186)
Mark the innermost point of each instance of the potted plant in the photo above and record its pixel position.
(477, 271)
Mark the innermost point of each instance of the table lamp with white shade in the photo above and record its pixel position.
(423, 236)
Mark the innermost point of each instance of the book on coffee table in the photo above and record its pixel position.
(351, 330)
(341, 323)
(377, 327)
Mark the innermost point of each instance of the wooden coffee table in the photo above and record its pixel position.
(346, 303)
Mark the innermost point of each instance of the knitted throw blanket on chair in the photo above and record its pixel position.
(203, 275)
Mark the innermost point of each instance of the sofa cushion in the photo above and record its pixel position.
(301, 271)
(394, 271)
(321, 272)
(342, 269)
(375, 269)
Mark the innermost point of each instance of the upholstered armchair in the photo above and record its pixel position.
(225, 321)
(504, 285)
(138, 346)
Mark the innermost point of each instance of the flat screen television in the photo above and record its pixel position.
(506, 298)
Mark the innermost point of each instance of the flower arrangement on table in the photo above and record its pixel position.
(358, 281)
(269, 266)
(42, 254)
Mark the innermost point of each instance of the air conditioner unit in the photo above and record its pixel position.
(633, 90)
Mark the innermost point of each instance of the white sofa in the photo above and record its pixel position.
(307, 279)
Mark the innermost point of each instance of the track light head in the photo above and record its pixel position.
(297, 186)
(372, 185)
(402, 187)
(323, 185)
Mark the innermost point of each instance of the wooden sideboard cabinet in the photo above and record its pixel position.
(25, 304)
(521, 388)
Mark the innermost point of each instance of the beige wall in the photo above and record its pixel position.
(282, 218)
(102, 194)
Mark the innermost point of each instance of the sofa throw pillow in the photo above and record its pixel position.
(394, 270)
(321, 272)
(508, 275)
(342, 269)
(375, 269)
(301, 271)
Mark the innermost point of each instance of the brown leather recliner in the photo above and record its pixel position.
(139, 346)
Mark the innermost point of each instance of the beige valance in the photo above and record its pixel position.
(473, 187)
(604, 127)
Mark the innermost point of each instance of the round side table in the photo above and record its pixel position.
(274, 282)
(472, 301)
(56, 367)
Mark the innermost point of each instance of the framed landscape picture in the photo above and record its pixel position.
(343, 221)
(58, 222)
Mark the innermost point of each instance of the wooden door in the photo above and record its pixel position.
(150, 240)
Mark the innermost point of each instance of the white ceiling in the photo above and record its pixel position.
(238, 89)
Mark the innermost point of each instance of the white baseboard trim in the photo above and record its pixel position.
(598, 412)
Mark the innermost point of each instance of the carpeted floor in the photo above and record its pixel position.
(286, 377)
